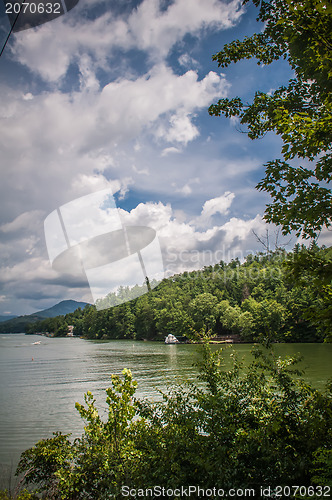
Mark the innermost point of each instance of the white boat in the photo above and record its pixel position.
(171, 339)
(36, 343)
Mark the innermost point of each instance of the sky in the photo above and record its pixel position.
(114, 95)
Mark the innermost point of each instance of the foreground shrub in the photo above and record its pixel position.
(265, 427)
(23, 495)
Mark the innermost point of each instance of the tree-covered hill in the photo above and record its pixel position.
(263, 298)
(18, 324)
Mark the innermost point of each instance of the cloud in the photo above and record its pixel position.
(69, 39)
(78, 38)
(325, 238)
(85, 184)
(24, 222)
(32, 269)
(181, 129)
(57, 146)
(185, 190)
(143, 171)
(187, 61)
(219, 205)
(157, 31)
(170, 150)
(127, 106)
(184, 246)
(32, 284)
(81, 121)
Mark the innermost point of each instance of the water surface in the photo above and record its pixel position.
(41, 383)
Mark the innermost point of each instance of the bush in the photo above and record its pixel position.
(232, 430)
(23, 495)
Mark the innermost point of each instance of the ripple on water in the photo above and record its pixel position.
(41, 383)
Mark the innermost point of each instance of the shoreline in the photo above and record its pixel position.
(222, 340)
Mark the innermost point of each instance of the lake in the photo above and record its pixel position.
(41, 383)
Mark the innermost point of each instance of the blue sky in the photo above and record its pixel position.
(115, 95)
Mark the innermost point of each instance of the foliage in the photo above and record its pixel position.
(65, 308)
(235, 429)
(300, 112)
(23, 495)
(323, 466)
(311, 268)
(203, 311)
(57, 325)
(97, 462)
(261, 298)
(269, 317)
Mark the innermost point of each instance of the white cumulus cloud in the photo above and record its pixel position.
(50, 49)
(219, 205)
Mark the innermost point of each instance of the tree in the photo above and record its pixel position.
(299, 112)
(173, 320)
(123, 321)
(234, 320)
(203, 311)
(268, 318)
(311, 269)
(145, 320)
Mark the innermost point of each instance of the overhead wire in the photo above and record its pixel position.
(12, 28)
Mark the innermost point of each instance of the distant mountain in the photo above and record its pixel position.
(18, 323)
(6, 318)
(60, 309)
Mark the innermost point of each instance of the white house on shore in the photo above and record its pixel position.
(70, 332)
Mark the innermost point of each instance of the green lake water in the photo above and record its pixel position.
(41, 383)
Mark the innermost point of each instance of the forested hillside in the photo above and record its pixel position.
(269, 296)
(18, 324)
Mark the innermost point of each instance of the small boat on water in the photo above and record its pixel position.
(171, 339)
(36, 343)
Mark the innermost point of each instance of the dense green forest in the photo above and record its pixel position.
(267, 297)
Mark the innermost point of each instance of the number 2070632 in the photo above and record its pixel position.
(33, 8)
